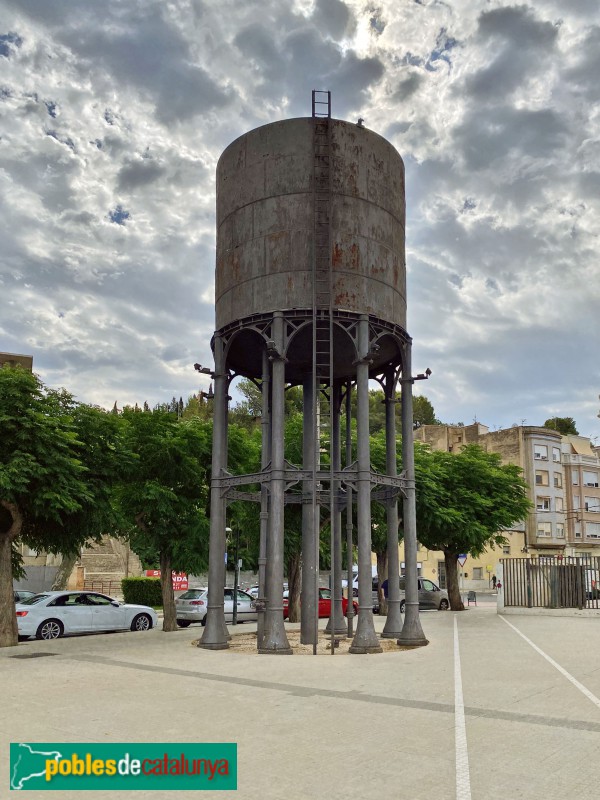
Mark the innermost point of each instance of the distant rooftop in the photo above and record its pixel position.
(16, 359)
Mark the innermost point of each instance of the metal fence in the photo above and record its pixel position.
(552, 582)
(109, 587)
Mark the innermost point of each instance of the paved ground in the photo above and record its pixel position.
(480, 713)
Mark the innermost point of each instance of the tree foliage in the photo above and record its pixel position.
(165, 495)
(564, 425)
(464, 503)
(57, 464)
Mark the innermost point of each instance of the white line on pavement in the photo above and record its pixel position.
(562, 671)
(463, 779)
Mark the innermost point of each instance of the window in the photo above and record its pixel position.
(544, 529)
(575, 477)
(506, 550)
(556, 454)
(477, 573)
(558, 504)
(592, 530)
(576, 502)
(542, 503)
(590, 478)
(560, 530)
(541, 477)
(558, 480)
(578, 530)
(592, 504)
(98, 600)
(540, 452)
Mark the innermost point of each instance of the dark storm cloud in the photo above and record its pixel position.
(334, 18)
(136, 173)
(520, 43)
(408, 86)
(486, 136)
(140, 48)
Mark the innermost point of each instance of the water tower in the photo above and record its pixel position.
(311, 292)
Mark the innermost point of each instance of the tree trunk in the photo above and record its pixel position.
(64, 571)
(293, 571)
(382, 561)
(452, 584)
(9, 634)
(168, 596)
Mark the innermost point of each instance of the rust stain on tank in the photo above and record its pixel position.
(342, 257)
(337, 257)
(345, 299)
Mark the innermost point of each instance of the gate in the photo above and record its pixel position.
(552, 582)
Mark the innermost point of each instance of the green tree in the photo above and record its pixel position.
(52, 482)
(464, 503)
(165, 494)
(564, 425)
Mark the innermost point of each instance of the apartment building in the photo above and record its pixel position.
(562, 475)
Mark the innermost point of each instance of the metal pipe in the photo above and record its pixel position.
(309, 567)
(216, 635)
(393, 624)
(264, 495)
(412, 634)
(336, 618)
(275, 640)
(365, 639)
(349, 493)
(236, 576)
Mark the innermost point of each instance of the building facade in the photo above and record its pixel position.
(562, 474)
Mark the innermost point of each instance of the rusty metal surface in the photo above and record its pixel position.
(265, 230)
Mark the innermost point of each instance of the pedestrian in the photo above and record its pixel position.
(498, 585)
(384, 588)
(493, 581)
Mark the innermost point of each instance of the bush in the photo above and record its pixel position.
(143, 591)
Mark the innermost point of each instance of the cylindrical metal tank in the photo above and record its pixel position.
(265, 223)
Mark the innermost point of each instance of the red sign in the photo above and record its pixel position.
(180, 579)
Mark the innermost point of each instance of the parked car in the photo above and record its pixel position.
(192, 606)
(252, 591)
(22, 594)
(324, 603)
(430, 595)
(48, 615)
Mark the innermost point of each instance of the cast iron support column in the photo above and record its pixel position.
(275, 639)
(393, 624)
(216, 635)
(412, 634)
(265, 457)
(365, 639)
(337, 612)
(309, 567)
(349, 553)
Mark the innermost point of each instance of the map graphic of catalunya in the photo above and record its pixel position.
(30, 764)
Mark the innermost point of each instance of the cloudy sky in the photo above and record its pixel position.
(114, 113)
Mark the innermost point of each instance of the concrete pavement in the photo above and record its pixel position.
(480, 713)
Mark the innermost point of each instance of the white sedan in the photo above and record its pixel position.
(49, 615)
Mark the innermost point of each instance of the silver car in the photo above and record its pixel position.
(430, 595)
(192, 606)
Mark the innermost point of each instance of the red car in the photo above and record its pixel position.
(324, 604)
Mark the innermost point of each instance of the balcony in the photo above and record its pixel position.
(574, 460)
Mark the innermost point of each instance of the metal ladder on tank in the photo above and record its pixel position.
(322, 360)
